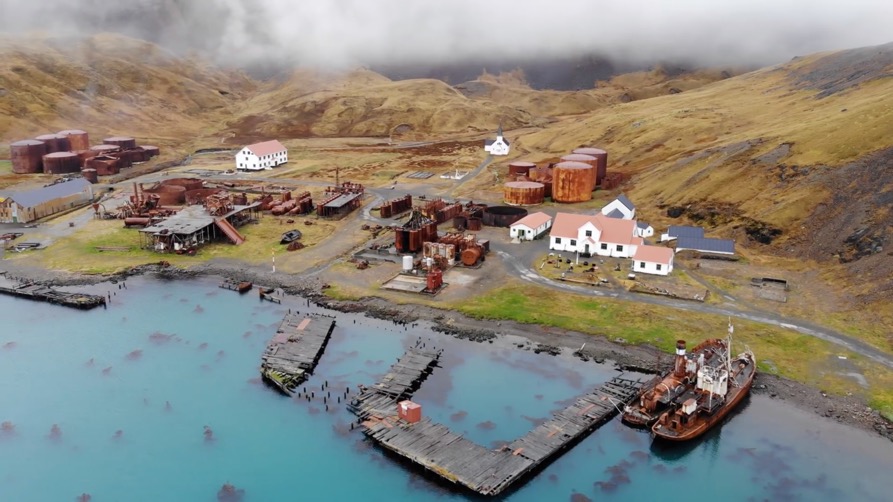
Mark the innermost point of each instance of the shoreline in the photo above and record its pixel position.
(848, 410)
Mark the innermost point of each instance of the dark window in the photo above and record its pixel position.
(604, 246)
(619, 247)
(558, 240)
(573, 242)
(642, 264)
(658, 266)
(589, 233)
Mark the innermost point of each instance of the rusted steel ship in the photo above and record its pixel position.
(661, 393)
(717, 391)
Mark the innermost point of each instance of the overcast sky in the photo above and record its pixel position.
(369, 32)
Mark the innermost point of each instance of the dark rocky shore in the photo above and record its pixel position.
(850, 410)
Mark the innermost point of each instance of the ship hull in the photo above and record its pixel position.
(708, 423)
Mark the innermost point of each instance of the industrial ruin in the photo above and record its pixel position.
(570, 179)
(70, 152)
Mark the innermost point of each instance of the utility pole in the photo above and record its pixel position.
(273, 253)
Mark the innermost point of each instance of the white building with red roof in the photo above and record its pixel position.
(594, 235)
(258, 156)
(656, 260)
(530, 227)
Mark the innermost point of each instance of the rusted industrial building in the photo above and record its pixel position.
(30, 205)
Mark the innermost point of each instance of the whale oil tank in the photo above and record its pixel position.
(77, 139)
(90, 175)
(602, 156)
(61, 163)
(520, 168)
(27, 156)
(572, 182)
(121, 141)
(524, 193)
(55, 142)
(586, 159)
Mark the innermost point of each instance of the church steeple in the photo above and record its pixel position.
(499, 131)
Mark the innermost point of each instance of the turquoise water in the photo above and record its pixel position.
(167, 359)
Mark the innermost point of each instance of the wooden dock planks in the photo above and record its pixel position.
(294, 351)
(47, 294)
(458, 460)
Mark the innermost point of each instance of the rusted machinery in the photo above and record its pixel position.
(199, 195)
(572, 182)
(457, 247)
(219, 204)
(417, 230)
(104, 165)
(397, 206)
(433, 280)
(302, 204)
(27, 156)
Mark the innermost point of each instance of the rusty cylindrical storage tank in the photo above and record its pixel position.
(90, 175)
(27, 156)
(502, 216)
(524, 193)
(602, 164)
(77, 139)
(125, 159)
(521, 168)
(586, 159)
(138, 154)
(55, 142)
(168, 195)
(572, 182)
(470, 256)
(85, 155)
(151, 151)
(121, 141)
(105, 149)
(474, 224)
(105, 166)
(61, 163)
(187, 183)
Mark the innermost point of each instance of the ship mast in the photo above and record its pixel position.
(729, 347)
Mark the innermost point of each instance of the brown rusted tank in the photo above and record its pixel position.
(138, 154)
(125, 159)
(503, 216)
(151, 150)
(61, 163)
(168, 195)
(27, 156)
(77, 139)
(474, 224)
(105, 149)
(524, 193)
(187, 183)
(121, 141)
(90, 175)
(55, 142)
(522, 168)
(586, 159)
(471, 255)
(84, 156)
(572, 182)
(136, 221)
(601, 169)
(547, 188)
(460, 222)
(104, 165)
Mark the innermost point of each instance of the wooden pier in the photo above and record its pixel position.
(239, 286)
(42, 293)
(294, 351)
(489, 472)
(399, 383)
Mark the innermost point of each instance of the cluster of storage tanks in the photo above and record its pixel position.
(572, 179)
(69, 151)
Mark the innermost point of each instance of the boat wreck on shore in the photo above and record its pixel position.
(292, 354)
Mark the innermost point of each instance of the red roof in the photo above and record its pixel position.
(567, 224)
(612, 230)
(654, 254)
(266, 148)
(533, 220)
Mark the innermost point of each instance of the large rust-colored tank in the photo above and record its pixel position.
(572, 182)
(104, 165)
(125, 159)
(520, 168)
(105, 149)
(121, 141)
(27, 156)
(586, 159)
(77, 139)
(187, 183)
(503, 216)
(84, 156)
(151, 151)
(602, 165)
(138, 154)
(55, 142)
(471, 255)
(61, 163)
(524, 193)
(90, 175)
(474, 223)
(168, 195)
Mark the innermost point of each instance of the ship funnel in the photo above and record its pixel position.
(679, 369)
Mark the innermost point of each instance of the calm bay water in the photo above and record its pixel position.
(132, 387)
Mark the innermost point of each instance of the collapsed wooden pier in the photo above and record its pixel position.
(399, 383)
(295, 349)
(47, 294)
(461, 461)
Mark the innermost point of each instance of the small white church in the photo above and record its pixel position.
(498, 146)
(258, 156)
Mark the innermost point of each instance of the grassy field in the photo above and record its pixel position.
(5, 167)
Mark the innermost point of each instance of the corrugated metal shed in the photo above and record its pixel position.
(36, 197)
(706, 245)
(683, 231)
(343, 200)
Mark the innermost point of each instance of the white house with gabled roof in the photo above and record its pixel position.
(594, 235)
(620, 208)
(656, 260)
(530, 227)
(265, 155)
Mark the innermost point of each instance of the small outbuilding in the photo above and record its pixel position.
(30, 205)
(621, 208)
(706, 245)
(498, 146)
(258, 156)
(677, 231)
(644, 230)
(530, 227)
(657, 260)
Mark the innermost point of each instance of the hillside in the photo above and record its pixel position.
(792, 159)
